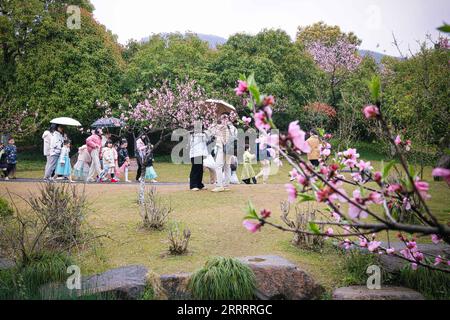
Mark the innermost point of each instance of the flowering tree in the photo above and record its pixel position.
(336, 59)
(378, 202)
(167, 109)
(16, 122)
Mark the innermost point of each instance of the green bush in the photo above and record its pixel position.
(432, 284)
(223, 279)
(5, 208)
(24, 281)
(355, 264)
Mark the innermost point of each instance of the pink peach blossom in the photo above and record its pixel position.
(251, 226)
(371, 111)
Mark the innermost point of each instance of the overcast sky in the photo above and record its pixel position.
(373, 21)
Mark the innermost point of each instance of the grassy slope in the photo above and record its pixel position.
(215, 221)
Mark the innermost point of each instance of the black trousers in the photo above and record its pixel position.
(248, 181)
(11, 170)
(196, 176)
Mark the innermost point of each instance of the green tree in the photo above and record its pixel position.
(321, 32)
(64, 71)
(166, 58)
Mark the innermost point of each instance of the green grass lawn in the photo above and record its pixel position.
(215, 221)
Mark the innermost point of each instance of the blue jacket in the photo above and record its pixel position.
(11, 154)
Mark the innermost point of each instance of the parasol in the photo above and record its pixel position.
(107, 123)
(221, 106)
(66, 122)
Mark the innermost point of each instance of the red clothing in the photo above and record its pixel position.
(93, 142)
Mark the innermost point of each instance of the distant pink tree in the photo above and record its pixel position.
(337, 60)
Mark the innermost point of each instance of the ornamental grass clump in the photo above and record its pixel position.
(223, 279)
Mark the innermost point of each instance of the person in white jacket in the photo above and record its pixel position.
(56, 145)
(47, 138)
(197, 152)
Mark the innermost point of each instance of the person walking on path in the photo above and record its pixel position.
(225, 135)
(56, 145)
(47, 138)
(64, 168)
(248, 174)
(197, 152)
(11, 159)
(141, 148)
(123, 159)
(314, 143)
(81, 168)
(94, 145)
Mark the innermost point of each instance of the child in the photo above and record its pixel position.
(233, 166)
(64, 168)
(150, 173)
(3, 164)
(11, 159)
(247, 169)
(124, 158)
(109, 156)
(81, 168)
(265, 165)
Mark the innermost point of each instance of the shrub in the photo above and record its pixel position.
(56, 223)
(432, 284)
(223, 279)
(154, 212)
(153, 290)
(24, 281)
(178, 239)
(62, 209)
(301, 222)
(5, 208)
(355, 264)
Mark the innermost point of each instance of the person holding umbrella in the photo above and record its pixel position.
(56, 144)
(225, 135)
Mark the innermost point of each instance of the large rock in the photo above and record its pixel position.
(394, 264)
(385, 293)
(175, 286)
(6, 264)
(126, 283)
(278, 278)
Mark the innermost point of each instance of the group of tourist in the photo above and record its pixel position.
(102, 160)
(98, 160)
(222, 162)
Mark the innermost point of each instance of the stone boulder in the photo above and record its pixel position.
(127, 283)
(6, 264)
(175, 286)
(280, 279)
(385, 293)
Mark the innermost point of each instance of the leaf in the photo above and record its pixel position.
(447, 151)
(375, 88)
(313, 227)
(242, 77)
(444, 28)
(412, 171)
(251, 212)
(306, 197)
(321, 132)
(255, 93)
(387, 169)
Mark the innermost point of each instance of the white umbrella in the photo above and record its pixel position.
(66, 122)
(221, 106)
